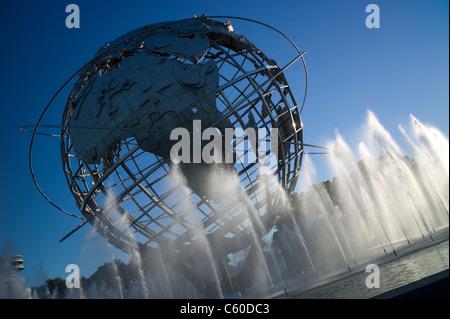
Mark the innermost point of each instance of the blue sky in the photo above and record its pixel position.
(398, 69)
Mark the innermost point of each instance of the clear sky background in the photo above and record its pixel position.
(398, 69)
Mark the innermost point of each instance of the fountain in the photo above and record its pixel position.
(373, 208)
(378, 204)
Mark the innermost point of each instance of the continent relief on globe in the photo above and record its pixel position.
(148, 92)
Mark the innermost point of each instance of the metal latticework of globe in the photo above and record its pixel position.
(116, 137)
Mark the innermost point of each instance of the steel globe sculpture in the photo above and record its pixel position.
(116, 140)
(143, 85)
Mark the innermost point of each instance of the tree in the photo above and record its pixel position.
(57, 284)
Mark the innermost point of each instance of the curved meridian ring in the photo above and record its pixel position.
(130, 196)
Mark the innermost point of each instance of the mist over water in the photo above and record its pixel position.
(379, 203)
